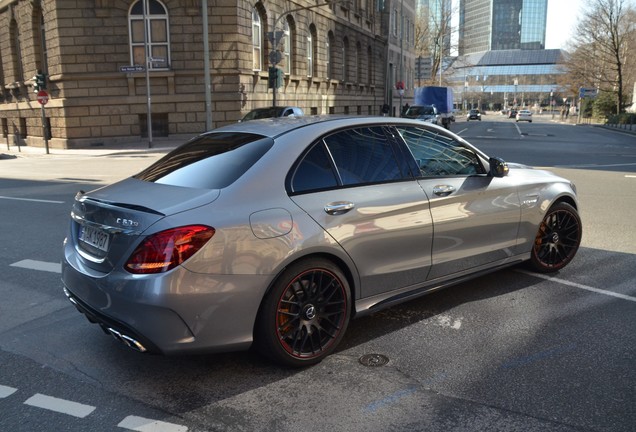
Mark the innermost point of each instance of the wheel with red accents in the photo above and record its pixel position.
(305, 314)
(557, 240)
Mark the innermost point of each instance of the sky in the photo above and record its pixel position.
(562, 19)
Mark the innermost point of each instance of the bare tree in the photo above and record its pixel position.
(433, 33)
(600, 55)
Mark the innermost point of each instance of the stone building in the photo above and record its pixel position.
(337, 57)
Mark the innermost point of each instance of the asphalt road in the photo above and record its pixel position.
(509, 351)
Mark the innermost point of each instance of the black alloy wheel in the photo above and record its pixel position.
(557, 240)
(305, 315)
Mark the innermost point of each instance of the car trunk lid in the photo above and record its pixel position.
(108, 222)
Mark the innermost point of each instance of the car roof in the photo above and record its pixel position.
(274, 127)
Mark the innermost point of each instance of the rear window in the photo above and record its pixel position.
(211, 161)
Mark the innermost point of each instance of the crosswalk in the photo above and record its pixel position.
(79, 410)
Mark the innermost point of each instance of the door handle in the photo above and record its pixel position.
(443, 190)
(339, 207)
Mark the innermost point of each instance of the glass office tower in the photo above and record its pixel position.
(491, 25)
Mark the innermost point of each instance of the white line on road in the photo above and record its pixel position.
(60, 405)
(32, 200)
(148, 425)
(6, 391)
(39, 265)
(580, 286)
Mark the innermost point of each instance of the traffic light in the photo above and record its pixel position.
(275, 77)
(40, 82)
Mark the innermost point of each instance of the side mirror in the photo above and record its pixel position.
(498, 167)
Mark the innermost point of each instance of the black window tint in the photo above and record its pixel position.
(437, 154)
(363, 155)
(211, 161)
(314, 172)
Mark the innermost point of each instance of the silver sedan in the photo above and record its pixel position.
(277, 232)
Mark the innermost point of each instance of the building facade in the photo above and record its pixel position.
(116, 66)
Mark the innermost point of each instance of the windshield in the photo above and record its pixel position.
(417, 111)
(211, 161)
(263, 113)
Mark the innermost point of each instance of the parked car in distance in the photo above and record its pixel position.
(275, 233)
(524, 115)
(512, 113)
(270, 112)
(473, 114)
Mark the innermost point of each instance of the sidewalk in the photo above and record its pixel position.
(159, 146)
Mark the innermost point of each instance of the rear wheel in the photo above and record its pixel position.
(557, 240)
(305, 315)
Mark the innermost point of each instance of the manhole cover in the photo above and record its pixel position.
(374, 360)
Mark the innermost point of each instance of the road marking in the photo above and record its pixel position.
(541, 355)
(141, 424)
(39, 265)
(32, 200)
(6, 391)
(60, 405)
(580, 286)
(598, 166)
(630, 176)
(390, 399)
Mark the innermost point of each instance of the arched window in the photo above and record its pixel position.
(369, 66)
(345, 66)
(312, 51)
(153, 34)
(289, 45)
(39, 39)
(358, 64)
(329, 45)
(16, 51)
(257, 41)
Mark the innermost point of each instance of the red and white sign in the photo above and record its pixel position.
(43, 97)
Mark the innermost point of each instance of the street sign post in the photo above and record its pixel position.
(43, 99)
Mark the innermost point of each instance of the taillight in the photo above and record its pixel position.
(167, 249)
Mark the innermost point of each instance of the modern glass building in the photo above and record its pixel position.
(495, 80)
(487, 25)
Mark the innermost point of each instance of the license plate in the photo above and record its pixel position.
(94, 237)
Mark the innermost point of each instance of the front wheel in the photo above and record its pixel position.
(557, 240)
(305, 315)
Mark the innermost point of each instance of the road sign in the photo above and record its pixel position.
(275, 57)
(134, 68)
(275, 37)
(588, 92)
(43, 97)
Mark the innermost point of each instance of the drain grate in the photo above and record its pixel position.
(373, 360)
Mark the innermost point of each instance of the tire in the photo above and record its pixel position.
(557, 240)
(305, 314)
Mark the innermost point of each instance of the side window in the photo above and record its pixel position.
(363, 155)
(314, 172)
(439, 155)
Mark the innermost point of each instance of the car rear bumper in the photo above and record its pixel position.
(150, 314)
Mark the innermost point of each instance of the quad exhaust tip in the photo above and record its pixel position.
(127, 340)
